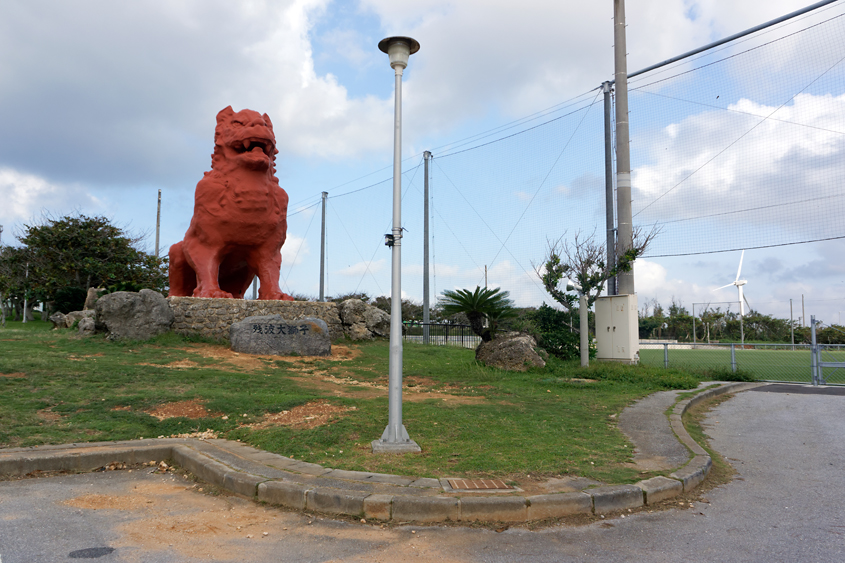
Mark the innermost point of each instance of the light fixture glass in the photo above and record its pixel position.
(399, 49)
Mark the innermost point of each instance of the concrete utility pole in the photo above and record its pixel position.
(625, 234)
(395, 438)
(426, 317)
(158, 222)
(607, 88)
(323, 251)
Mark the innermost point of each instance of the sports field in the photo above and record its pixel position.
(762, 363)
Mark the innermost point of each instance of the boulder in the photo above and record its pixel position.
(73, 316)
(86, 326)
(511, 352)
(94, 293)
(362, 321)
(274, 335)
(133, 316)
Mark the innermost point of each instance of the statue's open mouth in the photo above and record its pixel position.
(254, 145)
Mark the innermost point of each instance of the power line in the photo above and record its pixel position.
(731, 110)
(742, 248)
(546, 177)
(587, 108)
(367, 267)
(825, 197)
(718, 154)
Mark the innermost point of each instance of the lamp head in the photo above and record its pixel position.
(399, 49)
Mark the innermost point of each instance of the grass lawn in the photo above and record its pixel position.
(470, 420)
(764, 364)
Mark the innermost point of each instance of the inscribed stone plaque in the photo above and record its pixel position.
(272, 334)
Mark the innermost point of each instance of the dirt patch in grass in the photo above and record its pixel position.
(340, 352)
(349, 387)
(309, 415)
(187, 409)
(74, 358)
(179, 364)
(253, 362)
(16, 374)
(47, 415)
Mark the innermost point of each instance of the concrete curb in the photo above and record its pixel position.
(282, 481)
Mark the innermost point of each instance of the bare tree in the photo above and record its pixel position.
(582, 266)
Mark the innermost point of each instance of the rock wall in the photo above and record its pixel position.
(213, 317)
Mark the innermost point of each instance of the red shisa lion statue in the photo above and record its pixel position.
(240, 216)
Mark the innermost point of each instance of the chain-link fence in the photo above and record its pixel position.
(763, 362)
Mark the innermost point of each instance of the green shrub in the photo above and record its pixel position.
(132, 286)
(69, 299)
(554, 334)
(724, 373)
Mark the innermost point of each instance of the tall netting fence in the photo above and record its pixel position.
(743, 146)
(739, 147)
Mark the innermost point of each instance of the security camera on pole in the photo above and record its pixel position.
(395, 438)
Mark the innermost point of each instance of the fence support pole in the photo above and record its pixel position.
(791, 326)
(814, 350)
(427, 157)
(323, 251)
(665, 355)
(585, 331)
(693, 326)
(158, 221)
(733, 358)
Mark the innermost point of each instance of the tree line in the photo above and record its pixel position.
(58, 259)
(718, 325)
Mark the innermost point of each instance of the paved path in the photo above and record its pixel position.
(645, 424)
(787, 504)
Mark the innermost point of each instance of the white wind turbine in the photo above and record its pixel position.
(742, 300)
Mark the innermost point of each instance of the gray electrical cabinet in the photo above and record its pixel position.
(617, 329)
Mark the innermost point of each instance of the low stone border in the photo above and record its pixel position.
(283, 481)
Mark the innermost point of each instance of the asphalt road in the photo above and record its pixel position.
(787, 504)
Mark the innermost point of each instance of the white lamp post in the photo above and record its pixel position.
(395, 438)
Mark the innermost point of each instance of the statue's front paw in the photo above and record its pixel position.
(274, 296)
(213, 294)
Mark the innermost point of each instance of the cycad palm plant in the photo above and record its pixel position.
(490, 304)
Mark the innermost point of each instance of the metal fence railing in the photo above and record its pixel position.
(766, 362)
(440, 334)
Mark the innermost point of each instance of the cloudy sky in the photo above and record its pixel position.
(104, 103)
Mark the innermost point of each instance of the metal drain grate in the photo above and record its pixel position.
(474, 484)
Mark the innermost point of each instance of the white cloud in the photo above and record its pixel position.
(24, 196)
(294, 251)
(653, 282)
(135, 113)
